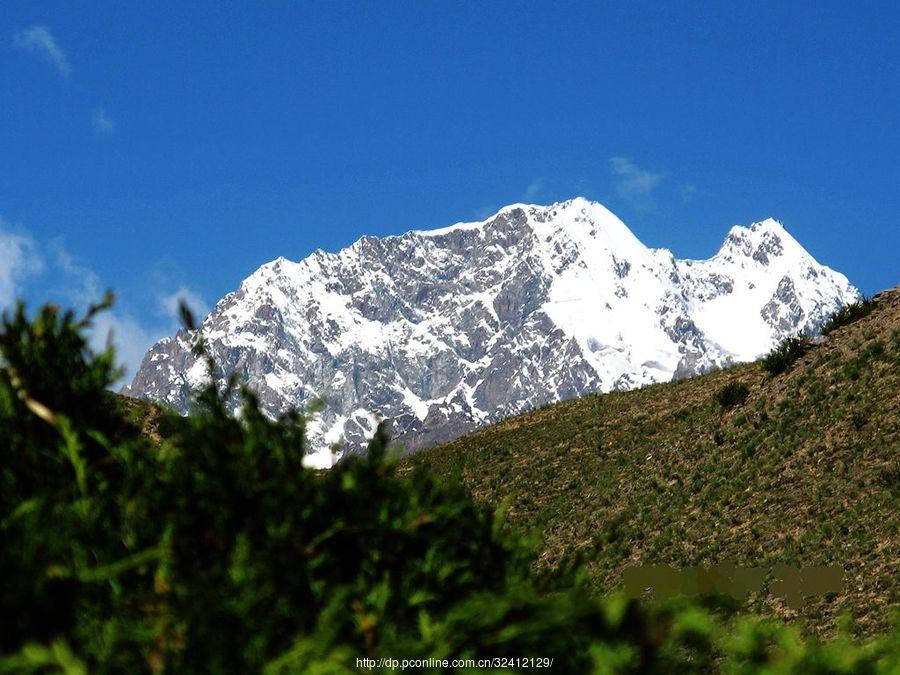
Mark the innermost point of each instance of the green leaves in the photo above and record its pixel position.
(848, 314)
(732, 395)
(35, 658)
(782, 357)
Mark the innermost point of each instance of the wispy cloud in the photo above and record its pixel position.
(485, 212)
(59, 275)
(687, 192)
(169, 304)
(39, 42)
(130, 336)
(634, 183)
(83, 284)
(537, 190)
(101, 122)
(19, 258)
(543, 190)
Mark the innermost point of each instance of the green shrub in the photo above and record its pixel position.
(732, 395)
(847, 314)
(782, 357)
(216, 551)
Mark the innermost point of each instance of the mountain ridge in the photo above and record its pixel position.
(445, 330)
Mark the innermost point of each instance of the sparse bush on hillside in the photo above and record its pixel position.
(732, 395)
(848, 314)
(784, 355)
(218, 552)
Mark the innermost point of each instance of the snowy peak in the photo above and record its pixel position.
(448, 329)
(761, 266)
(762, 242)
(575, 219)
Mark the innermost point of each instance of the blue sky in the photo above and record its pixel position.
(168, 149)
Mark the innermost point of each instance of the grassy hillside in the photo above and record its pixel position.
(135, 540)
(804, 472)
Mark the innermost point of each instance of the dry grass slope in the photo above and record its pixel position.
(805, 472)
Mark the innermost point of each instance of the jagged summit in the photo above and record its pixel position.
(569, 215)
(759, 239)
(444, 330)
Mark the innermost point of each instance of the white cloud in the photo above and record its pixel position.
(485, 212)
(39, 42)
(83, 284)
(634, 183)
(169, 304)
(543, 190)
(130, 336)
(102, 122)
(536, 190)
(19, 258)
(73, 284)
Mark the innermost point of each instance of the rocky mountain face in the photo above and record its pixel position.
(446, 330)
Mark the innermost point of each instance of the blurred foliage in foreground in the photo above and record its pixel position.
(217, 551)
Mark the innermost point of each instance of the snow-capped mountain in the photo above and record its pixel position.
(445, 330)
